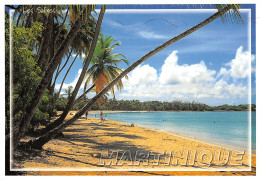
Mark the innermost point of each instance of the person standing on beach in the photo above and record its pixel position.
(86, 115)
(101, 116)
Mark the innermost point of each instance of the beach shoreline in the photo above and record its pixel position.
(228, 146)
(117, 111)
(83, 141)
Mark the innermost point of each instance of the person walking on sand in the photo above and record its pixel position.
(101, 117)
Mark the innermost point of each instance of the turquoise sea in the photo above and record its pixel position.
(229, 129)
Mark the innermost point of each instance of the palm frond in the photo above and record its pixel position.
(233, 15)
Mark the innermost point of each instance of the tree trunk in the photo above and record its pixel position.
(41, 41)
(58, 33)
(63, 80)
(65, 62)
(30, 109)
(51, 54)
(46, 43)
(80, 97)
(59, 70)
(56, 76)
(35, 12)
(32, 16)
(81, 77)
(18, 19)
(40, 141)
(28, 21)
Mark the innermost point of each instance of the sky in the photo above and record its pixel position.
(212, 65)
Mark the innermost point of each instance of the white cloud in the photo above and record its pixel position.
(151, 35)
(74, 55)
(142, 75)
(174, 73)
(187, 82)
(223, 72)
(240, 66)
(136, 28)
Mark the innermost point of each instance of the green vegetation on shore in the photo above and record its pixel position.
(177, 105)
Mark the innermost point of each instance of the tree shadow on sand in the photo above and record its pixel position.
(98, 147)
(129, 136)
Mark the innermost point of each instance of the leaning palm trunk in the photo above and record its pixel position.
(43, 58)
(40, 141)
(81, 77)
(18, 19)
(58, 33)
(82, 95)
(63, 80)
(30, 109)
(59, 71)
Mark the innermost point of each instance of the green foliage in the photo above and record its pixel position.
(7, 76)
(47, 102)
(253, 107)
(226, 107)
(25, 76)
(39, 118)
(177, 105)
(25, 69)
(24, 64)
(44, 111)
(61, 103)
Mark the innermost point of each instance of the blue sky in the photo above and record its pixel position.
(209, 66)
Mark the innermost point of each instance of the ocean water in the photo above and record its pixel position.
(229, 129)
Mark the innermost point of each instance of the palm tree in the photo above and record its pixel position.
(105, 65)
(52, 65)
(68, 91)
(80, 45)
(81, 77)
(40, 141)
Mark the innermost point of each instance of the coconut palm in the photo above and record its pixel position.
(105, 65)
(52, 65)
(71, 100)
(80, 45)
(68, 91)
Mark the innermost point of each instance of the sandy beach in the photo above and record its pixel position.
(87, 144)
